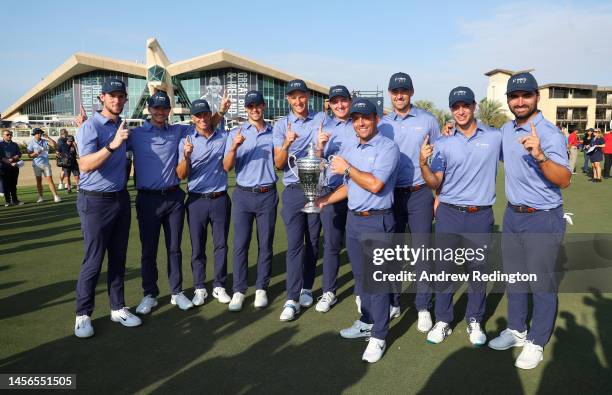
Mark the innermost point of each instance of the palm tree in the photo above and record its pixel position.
(425, 105)
(490, 112)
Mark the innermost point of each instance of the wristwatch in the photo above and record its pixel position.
(108, 147)
(544, 159)
(347, 171)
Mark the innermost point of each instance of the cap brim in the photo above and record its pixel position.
(297, 89)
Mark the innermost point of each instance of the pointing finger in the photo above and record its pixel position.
(426, 141)
(188, 138)
(533, 130)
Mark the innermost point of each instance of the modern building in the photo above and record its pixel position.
(566, 105)
(78, 81)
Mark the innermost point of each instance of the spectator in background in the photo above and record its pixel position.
(61, 142)
(572, 146)
(10, 156)
(586, 144)
(68, 153)
(596, 155)
(607, 153)
(38, 150)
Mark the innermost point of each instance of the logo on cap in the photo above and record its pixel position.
(295, 84)
(521, 80)
(400, 79)
(116, 83)
(360, 105)
(460, 93)
(201, 104)
(160, 98)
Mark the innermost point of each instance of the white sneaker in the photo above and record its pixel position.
(290, 310)
(394, 312)
(147, 303)
(57, 199)
(326, 302)
(236, 303)
(530, 357)
(508, 338)
(261, 299)
(374, 351)
(199, 297)
(358, 329)
(40, 199)
(306, 298)
(220, 294)
(83, 327)
(124, 317)
(476, 334)
(60, 186)
(358, 303)
(439, 332)
(181, 301)
(424, 323)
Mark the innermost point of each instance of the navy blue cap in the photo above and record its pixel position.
(461, 93)
(113, 85)
(363, 106)
(159, 99)
(522, 82)
(199, 106)
(400, 81)
(37, 131)
(253, 97)
(339, 90)
(296, 85)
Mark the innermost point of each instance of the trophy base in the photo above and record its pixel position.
(311, 208)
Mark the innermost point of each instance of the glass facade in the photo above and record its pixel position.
(57, 101)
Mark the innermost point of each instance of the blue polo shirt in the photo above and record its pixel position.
(207, 173)
(469, 166)
(409, 133)
(525, 181)
(255, 157)
(42, 148)
(379, 156)
(156, 154)
(306, 129)
(342, 135)
(95, 133)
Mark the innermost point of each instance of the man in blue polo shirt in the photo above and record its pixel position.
(104, 208)
(536, 168)
(336, 135)
(160, 200)
(463, 169)
(250, 150)
(408, 126)
(370, 167)
(293, 134)
(202, 163)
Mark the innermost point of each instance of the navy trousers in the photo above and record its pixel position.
(302, 241)
(261, 207)
(374, 306)
(200, 213)
(105, 223)
(413, 213)
(155, 212)
(457, 229)
(530, 244)
(333, 219)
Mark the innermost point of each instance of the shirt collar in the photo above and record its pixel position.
(148, 126)
(103, 120)
(479, 130)
(527, 126)
(373, 141)
(337, 121)
(412, 113)
(292, 117)
(247, 126)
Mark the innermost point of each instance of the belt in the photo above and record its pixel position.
(159, 191)
(371, 212)
(467, 209)
(102, 194)
(258, 189)
(410, 189)
(209, 195)
(522, 209)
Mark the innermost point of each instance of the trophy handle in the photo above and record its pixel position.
(292, 157)
(329, 160)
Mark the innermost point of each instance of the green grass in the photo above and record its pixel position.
(210, 350)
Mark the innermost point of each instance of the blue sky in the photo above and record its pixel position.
(358, 43)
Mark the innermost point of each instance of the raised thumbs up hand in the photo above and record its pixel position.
(532, 143)
(426, 151)
(187, 148)
(238, 139)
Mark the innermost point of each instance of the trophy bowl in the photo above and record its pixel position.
(309, 170)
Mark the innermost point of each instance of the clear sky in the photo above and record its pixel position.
(355, 43)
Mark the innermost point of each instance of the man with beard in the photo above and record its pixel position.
(463, 170)
(250, 150)
(103, 204)
(536, 168)
(293, 134)
(409, 126)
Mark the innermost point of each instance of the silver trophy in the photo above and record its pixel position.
(310, 173)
